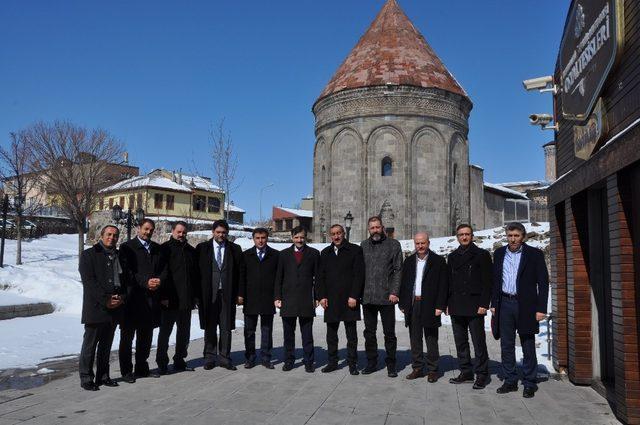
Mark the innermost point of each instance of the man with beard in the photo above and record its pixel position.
(383, 267)
(469, 297)
(103, 294)
(147, 267)
(340, 283)
(295, 295)
(177, 298)
(221, 269)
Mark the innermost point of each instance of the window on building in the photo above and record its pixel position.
(387, 166)
(455, 173)
(278, 225)
(121, 202)
(213, 204)
(170, 201)
(157, 201)
(516, 210)
(199, 202)
(288, 224)
(139, 201)
(110, 202)
(323, 178)
(101, 207)
(132, 201)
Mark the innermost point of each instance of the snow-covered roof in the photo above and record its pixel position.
(200, 182)
(524, 183)
(299, 213)
(506, 191)
(159, 182)
(233, 208)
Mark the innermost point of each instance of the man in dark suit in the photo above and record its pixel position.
(340, 284)
(519, 301)
(295, 295)
(256, 296)
(177, 298)
(423, 298)
(104, 293)
(221, 269)
(469, 297)
(147, 267)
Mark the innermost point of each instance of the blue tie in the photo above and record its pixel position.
(261, 255)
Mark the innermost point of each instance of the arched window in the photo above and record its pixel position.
(455, 173)
(323, 178)
(387, 166)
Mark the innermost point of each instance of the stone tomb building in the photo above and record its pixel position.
(391, 136)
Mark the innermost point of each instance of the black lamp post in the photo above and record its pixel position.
(129, 218)
(348, 221)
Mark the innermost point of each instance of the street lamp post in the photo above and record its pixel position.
(348, 221)
(261, 190)
(129, 218)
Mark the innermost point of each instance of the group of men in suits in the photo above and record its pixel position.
(146, 285)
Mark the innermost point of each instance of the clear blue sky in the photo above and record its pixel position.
(159, 74)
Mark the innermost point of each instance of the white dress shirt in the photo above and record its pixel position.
(420, 266)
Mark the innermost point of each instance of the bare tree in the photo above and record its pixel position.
(72, 162)
(20, 182)
(225, 163)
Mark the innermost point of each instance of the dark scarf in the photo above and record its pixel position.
(112, 253)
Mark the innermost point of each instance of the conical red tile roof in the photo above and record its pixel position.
(392, 52)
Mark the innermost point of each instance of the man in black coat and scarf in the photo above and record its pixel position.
(469, 297)
(423, 298)
(147, 267)
(177, 298)
(296, 296)
(340, 284)
(104, 292)
(221, 269)
(256, 296)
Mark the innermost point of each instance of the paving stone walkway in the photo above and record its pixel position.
(261, 396)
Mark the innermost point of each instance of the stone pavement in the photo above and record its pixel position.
(261, 396)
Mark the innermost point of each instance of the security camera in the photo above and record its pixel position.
(538, 83)
(543, 120)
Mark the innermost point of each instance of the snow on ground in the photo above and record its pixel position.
(9, 298)
(50, 272)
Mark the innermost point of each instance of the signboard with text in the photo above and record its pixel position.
(590, 43)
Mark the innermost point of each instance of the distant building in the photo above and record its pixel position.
(235, 215)
(285, 219)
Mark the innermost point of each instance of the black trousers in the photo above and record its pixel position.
(388, 316)
(217, 317)
(266, 337)
(100, 337)
(182, 320)
(144, 336)
(352, 342)
(462, 326)
(289, 330)
(416, 331)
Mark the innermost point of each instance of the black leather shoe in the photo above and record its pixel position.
(268, 365)
(129, 378)
(287, 367)
(249, 365)
(162, 370)
(209, 365)
(153, 374)
(432, 377)
(309, 368)
(182, 368)
(529, 392)
(330, 368)
(228, 366)
(391, 372)
(353, 370)
(462, 379)
(89, 386)
(369, 370)
(107, 383)
(507, 388)
(481, 382)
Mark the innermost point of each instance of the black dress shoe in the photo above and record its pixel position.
(107, 383)
(330, 368)
(268, 365)
(481, 382)
(182, 368)
(228, 366)
(89, 386)
(507, 388)
(391, 372)
(209, 365)
(369, 370)
(153, 374)
(249, 365)
(529, 392)
(162, 370)
(462, 379)
(353, 370)
(129, 378)
(287, 367)
(309, 368)
(432, 377)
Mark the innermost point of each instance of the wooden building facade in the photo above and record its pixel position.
(594, 206)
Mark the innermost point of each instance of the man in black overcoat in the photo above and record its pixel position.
(519, 301)
(177, 298)
(423, 298)
(256, 296)
(296, 297)
(104, 290)
(147, 267)
(340, 284)
(469, 297)
(221, 269)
